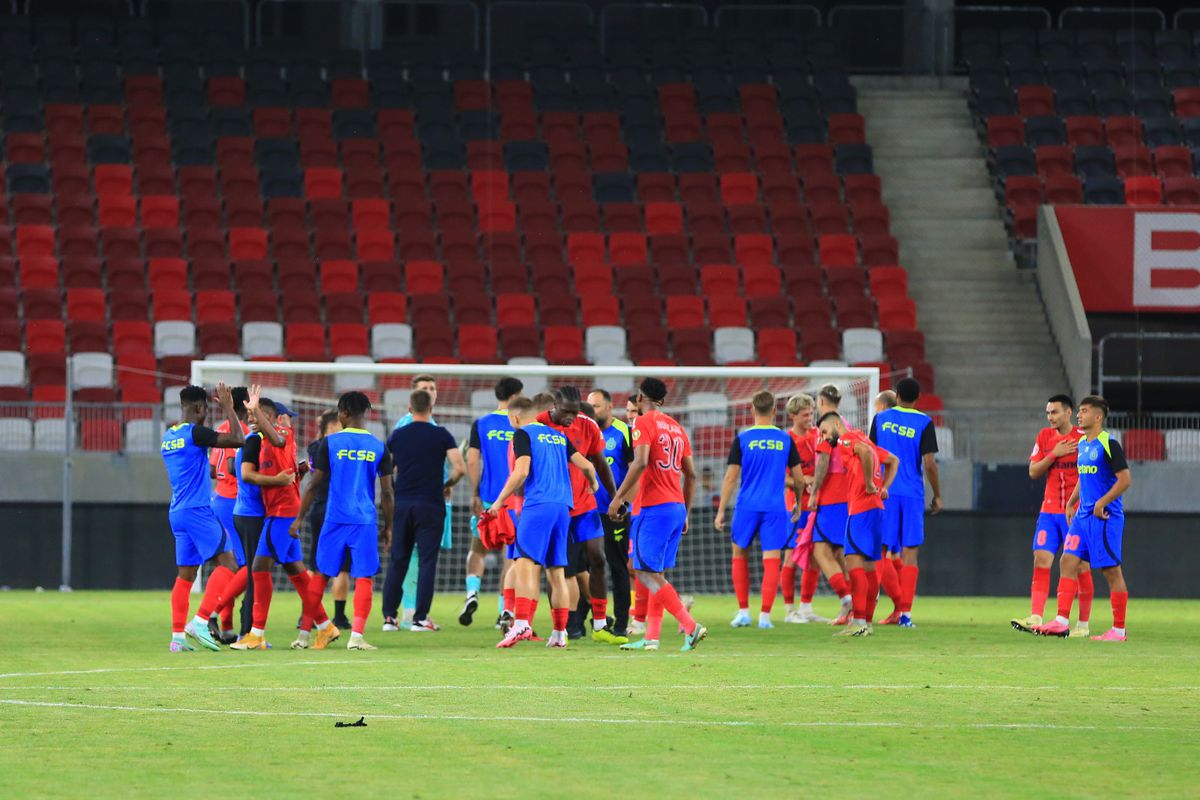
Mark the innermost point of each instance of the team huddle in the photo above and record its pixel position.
(571, 493)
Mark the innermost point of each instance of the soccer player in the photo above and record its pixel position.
(631, 408)
(911, 436)
(224, 498)
(419, 454)
(542, 456)
(487, 469)
(618, 453)
(804, 434)
(340, 588)
(275, 474)
(827, 498)
(640, 592)
(662, 455)
(420, 383)
(585, 539)
(1099, 517)
(762, 455)
(199, 536)
(351, 460)
(866, 493)
(1053, 456)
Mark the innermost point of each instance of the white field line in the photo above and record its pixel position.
(788, 687)
(600, 720)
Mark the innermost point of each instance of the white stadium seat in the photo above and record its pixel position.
(15, 434)
(280, 394)
(12, 368)
(533, 384)
(1183, 445)
(174, 338)
(377, 428)
(862, 344)
(92, 370)
(945, 443)
(604, 342)
(483, 401)
(391, 340)
(347, 381)
(733, 345)
(49, 435)
(395, 404)
(262, 339)
(707, 408)
(232, 377)
(827, 363)
(143, 435)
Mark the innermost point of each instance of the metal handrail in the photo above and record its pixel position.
(603, 27)
(1006, 10)
(1183, 12)
(1140, 376)
(802, 7)
(488, 16)
(1154, 12)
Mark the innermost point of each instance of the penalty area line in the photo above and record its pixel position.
(460, 687)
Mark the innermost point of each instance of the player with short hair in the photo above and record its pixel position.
(543, 402)
(761, 456)
(585, 540)
(487, 469)
(542, 456)
(803, 433)
(618, 453)
(662, 455)
(640, 593)
(352, 460)
(911, 436)
(199, 536)
(1098, 517)
(1053, 457)
(866, 491)
(224, 498)
(827, 498)
(340, 587)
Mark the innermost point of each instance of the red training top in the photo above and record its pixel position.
(1063, 473)
(585, 436)
(859, 500)
(669, 444)
(280, 501)
(833, 489)
(806, 447)
(219, 458)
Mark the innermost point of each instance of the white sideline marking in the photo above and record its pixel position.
(982, 687)
(601, 720)
(244, 665)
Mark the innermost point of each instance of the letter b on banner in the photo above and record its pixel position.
(1166, 260)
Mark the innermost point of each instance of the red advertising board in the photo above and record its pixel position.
(1134, 258)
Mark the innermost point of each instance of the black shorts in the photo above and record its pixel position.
(577, 559)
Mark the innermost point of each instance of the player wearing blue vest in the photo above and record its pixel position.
(487, 469)
(1097, 516)
(352, 460)
(761, 455)
(540, 469)
(909, 435)
(199, 536)
(618, 452)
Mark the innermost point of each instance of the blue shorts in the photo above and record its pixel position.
(1051, 532)
(510, 551)
(864, 534)
(794, 539)
(773, 528)
(277, 543)
(903, 523)
(542, 534)
(585, 527)
(360, 539)
(656, 531)
(830, 526)
(198, 536)
(1102, 537)
(223, 508)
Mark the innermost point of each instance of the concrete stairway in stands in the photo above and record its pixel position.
(984, 322)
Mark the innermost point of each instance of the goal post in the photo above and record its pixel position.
(712, 403)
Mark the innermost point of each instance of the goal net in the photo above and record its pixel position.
(712, 403)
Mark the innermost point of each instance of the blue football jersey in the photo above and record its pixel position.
(765, 454)
(490, 435)
(1098, 461)
(618, 452)
(249, 498)
(184, 452)
(352, 460)
(549, 453)
(909, 435)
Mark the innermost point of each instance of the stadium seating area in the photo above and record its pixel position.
(1090, 116)
(166, 202)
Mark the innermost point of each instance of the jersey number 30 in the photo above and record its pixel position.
(672, 447)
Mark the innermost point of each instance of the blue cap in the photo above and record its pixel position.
(282, 410)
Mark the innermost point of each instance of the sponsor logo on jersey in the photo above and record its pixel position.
(552, 438)
(355, 455)
(765, 444)
(499, 435)
(1088, 469)
(900, 430)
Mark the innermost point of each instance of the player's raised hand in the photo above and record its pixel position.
(1065, 447)
(224, 395)
(255, 393)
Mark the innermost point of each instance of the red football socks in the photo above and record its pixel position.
(228, 600)
(838, 584)
(510, 600)
(787, 581)
(641, 599)
(741, 582)
(808, 584)
(521, 606)
(872, 593)
(533, 604)
(1119, 601)
(308, 614)
(180, 595)
(654, 617)
(889, 580)
(559, 617)
(262, 598)
(908, 586)
(363, 588)
(600, 609)
(770, 583)
(220, 578)
(316, 597)
(1067, 587)
(858, 593)
(674, 606)
(1040, 590)
(1087, 590)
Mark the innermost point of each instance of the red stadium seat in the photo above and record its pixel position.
(888, 281)
(737, 188)
(1035, 101)
(39, 272)
(1063, 190)
(168, 274)
(515, 310)
(838, 250)
(585, 248)
(172, 305)
(247, 244)
(777, 347)
(45, 336)
(477, 343)
(692, 346)
(423, 277)
(726, 311)
(348, 339)
(34, 241)
(685, 311)
(719, 280)
(905, 347)
(627, 248)
(1143, 190)
(521, 341)
(761, 281)
(1005, 131)
(160, 212)
(1181, 191)
(820, 343)
(305, 341)
(132, 337)
(215, 305)
(770, 312)
(1142, 444)
(896, 313)
(339, 276)
(1173, 161)
(86, 305)
(390, 307)
(880, 250)
(564, 344)
(847, 129)
(599, 309)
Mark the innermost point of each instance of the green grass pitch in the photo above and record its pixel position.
(92, 704)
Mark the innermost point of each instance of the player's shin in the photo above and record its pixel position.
(263, 590)
(217, 582)
(858, 592)
(309, 614)
(741, 582)
(667, 597)
(872, 593)
(1087, 591)
(180, 596)
(787, 583)
(1067, 588)
(808, 584)
(1039, 591)
(908, 586)
(770, 585)
(363, 591)
(889, 581)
